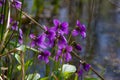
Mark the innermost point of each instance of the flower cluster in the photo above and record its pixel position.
(14, 26)
(80, 29)
(55, 38)
(17, 4)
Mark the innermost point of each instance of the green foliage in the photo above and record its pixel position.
(68, 70)
(76, 77)
(21, 48)
(27, 64)
(44, 78)
(34, 76)
(91, 79)
(17, 57)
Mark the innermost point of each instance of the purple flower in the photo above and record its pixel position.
(17, 4)
(64, 53)
(50, 33)
(77, 46)
(86, 67)
(80, 72)
(20, 36)
(37, 40)
(61, 40)
(44, 56)
(80, 29)
(62, 27)
(82, 68)
(15, 25)
(2, 2)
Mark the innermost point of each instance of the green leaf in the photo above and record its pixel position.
(19, 67)
(92, 79)
(21, 48)
(17, 57)
(68, 70)
(27, 64)
(45, 78)
(35, 76)
(76, 77)
(66, 75)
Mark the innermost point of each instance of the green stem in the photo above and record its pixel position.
(22, 65)
(7, 30)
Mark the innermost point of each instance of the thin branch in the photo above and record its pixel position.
(83, 62)
(11, 51)
(31, 19)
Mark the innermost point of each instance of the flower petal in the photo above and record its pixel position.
(86, 67)
(75, 32)
(17, 4)
(80, 72)
(32, 36)
(78, 23)
(68, 57)
(40, 57)
(64, 27)
(83, 34)
(47, 53)
(56, 22)
(69, 48)
(43, 46)
(78, 47)
(32, 44)
(83, 28)
(41, 39)
(46, 60)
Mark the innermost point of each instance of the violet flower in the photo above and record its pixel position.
(17, 4)
(37, 40)
(62, 27)
(20, 36)
(62, 40)
(50, 33)
(15, 25)
(82, 68)
(44, 56)
(80, 29)
(64, 53)
(86, 67)
(2, 2)
(77, 46)
(80, 72)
